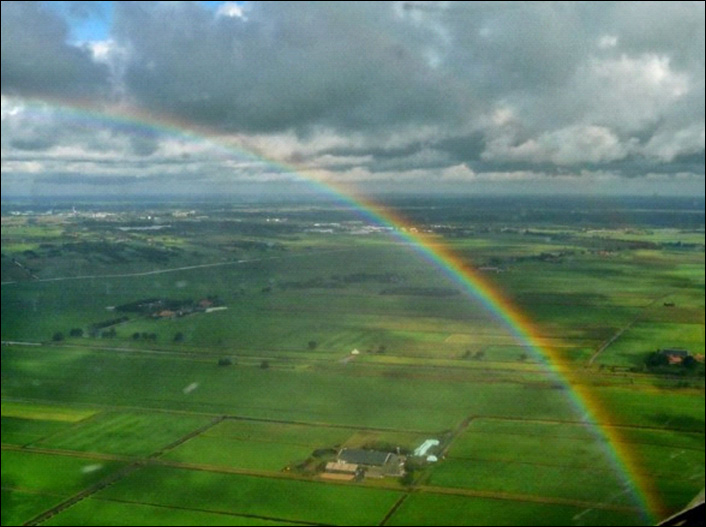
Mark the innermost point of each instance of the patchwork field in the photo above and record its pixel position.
(125, 399)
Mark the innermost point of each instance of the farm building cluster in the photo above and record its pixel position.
(358, 463)
(678, 355)
(164, 308)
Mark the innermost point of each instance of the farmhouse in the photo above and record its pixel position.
(368, 458)
(377, 464)
(341, 467)
(674, 355)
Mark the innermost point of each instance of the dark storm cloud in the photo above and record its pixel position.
(38, 61)
(405, 89)
(290, 65)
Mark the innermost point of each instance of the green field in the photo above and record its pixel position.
(125, 433)
(436, 509)
(229, 415)
(279, 499)
(116, 513)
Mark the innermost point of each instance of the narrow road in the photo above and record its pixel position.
(177, 269)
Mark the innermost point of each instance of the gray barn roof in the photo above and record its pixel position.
(359, 456)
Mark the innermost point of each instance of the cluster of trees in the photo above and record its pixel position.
(341, 281)
(657, 360)
(421, 291)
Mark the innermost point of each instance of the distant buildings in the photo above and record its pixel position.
(359, 456)
(355, 463)
(674, 355)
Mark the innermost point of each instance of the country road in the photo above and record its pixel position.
(174, 269)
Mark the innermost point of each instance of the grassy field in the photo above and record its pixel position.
(216, 441)
(51, 474)
(279, 499)
(439, 509)
(125, 433)
(115, 513)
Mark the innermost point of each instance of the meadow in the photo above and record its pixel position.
(221, 417)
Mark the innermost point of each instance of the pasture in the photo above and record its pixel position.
(219, 410)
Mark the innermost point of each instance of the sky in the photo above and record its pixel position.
(446, 97)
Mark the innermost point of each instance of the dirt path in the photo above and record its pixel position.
(623, 329)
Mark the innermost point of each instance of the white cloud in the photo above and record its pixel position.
(665, 145)
(627, 92)
(567, 146)
(231, 10)
(607, 41)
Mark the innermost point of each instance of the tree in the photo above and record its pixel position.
(408, 478)
(265, 364)
(312, 345)
(382, 348)
(479, 355)
(152, 336)
(656, 359)
(225, 361)
(58, 336)
(689, 362)
(179, 337)
(523, 357)
(136, 336)
(76, 332)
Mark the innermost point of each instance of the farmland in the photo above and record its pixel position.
(202, 371)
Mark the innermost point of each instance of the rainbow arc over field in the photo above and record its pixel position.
(429, 247)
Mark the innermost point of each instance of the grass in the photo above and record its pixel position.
(254, 455)
(17, 431)
(125, 433)
(346, 394)
(131, 398)
(299, 435)
(114, 513)
(19, 506)
(596, 486)
(46, 412)
(645, 337)
(51, 474)
(437, 509)
(284, 500)
(516, 447)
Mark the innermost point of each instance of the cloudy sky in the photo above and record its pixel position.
(215, 97)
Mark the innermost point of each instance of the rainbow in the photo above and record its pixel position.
(473, 283)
